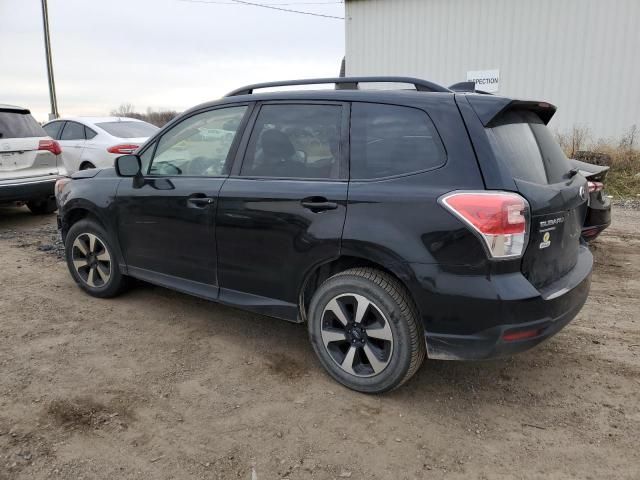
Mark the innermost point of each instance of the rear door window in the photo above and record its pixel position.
(390, 140)
(522, 141)
(19, 125)
(72, 131)
(295, 141)
(53, 129)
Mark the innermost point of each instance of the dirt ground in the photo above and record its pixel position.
(156, 384)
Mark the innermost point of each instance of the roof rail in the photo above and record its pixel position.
(346, 83)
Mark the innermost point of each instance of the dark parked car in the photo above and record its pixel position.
(397, 224)
(599, 212)
(30, 161)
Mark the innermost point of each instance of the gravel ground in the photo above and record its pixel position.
(633, 203)
(156, 384)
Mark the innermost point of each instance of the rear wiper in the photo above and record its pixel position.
(573, 172)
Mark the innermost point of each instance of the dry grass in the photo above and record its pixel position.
(623, 180)
(623, 156)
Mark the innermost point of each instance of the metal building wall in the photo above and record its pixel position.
(581, 55)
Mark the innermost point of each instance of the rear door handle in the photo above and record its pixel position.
(200, 202)
(318, 204)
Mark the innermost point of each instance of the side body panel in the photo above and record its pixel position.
(268, 240)
(398, 223)
(72, 148)
(399, 218)
(162, 230)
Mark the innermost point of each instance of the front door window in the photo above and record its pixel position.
(198, 146)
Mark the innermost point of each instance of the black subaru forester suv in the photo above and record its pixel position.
(396, 223)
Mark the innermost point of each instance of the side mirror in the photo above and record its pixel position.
(128, 166)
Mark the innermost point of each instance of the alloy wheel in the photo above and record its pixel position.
(357, 335)
(91, 260)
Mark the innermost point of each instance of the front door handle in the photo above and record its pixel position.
(318, 204)
(200, 202)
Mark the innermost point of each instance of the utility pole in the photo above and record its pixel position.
(47, 49)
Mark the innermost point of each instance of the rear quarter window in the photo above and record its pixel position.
(19, 125)
(522, 141)
(391, 140)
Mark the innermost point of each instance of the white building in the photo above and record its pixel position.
(581, 55)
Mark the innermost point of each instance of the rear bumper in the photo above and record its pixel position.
(27, 189)
(471, 324)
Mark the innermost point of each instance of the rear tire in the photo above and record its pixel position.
(92, 261)
(43, 206)
(87, 166)
(366, 331)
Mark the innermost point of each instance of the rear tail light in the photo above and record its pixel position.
(123, 148)
(500, 219)
(51, 146)
(595, 186)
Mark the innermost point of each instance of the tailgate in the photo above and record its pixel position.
(20, 137)
(558, 213)
(20, 158)
(557, 196)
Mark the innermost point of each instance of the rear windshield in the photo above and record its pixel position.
(19, 125)
(128, 129)
(522, 141)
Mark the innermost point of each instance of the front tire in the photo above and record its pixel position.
(92, 261)
(365, 330)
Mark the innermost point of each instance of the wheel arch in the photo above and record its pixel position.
(84, 164)
(321, 272)
(80, 211)
(74, 215)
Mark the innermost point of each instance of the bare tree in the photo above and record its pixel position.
(628, 140)
(155, 117)
(124, 110)
(579, 137)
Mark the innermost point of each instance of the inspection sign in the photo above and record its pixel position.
(485, 80)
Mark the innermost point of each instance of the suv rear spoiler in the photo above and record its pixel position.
(490, 107)
(467, 87)
(12, 109)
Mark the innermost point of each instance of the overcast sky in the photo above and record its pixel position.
(159, 53)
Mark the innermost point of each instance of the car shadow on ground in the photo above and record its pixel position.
(273, 341)
(19, 217)
(285, 346)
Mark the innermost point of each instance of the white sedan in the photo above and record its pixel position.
(95, 142)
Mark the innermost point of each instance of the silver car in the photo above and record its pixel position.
(30, 161)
